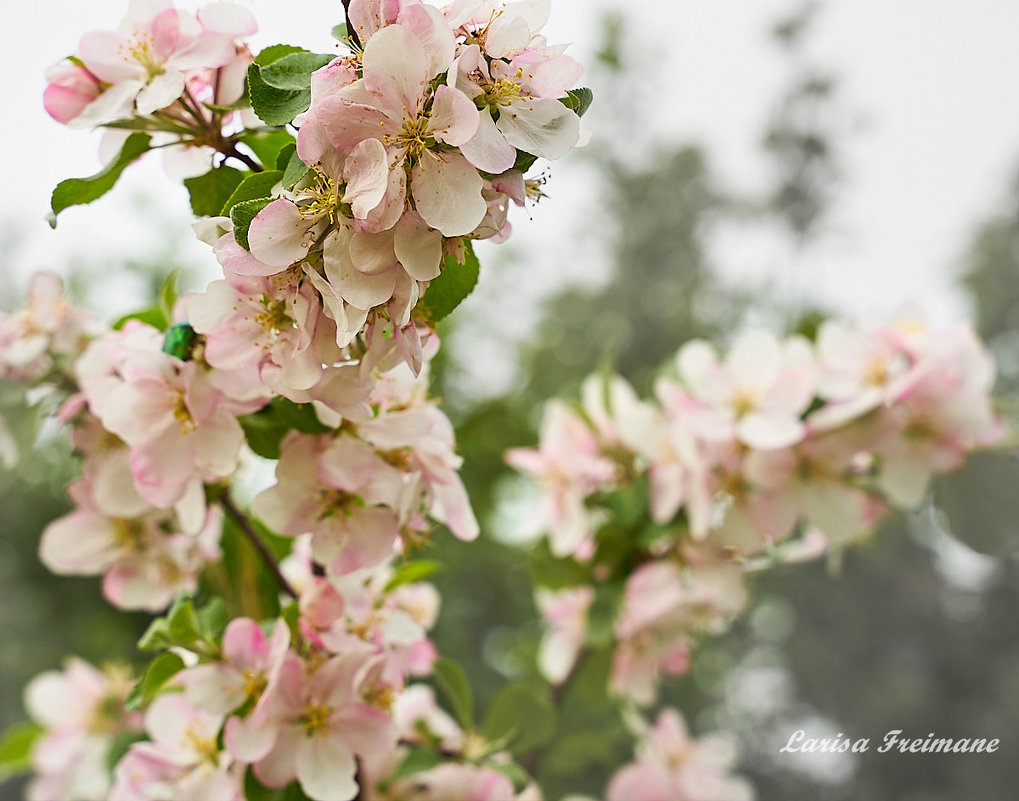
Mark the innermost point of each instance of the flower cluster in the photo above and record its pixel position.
(81, 711)
(779, 450)
(413, 145)
(167, 71)
(671, 764)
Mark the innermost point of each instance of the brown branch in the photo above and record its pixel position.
(249, 531)
(351, 32)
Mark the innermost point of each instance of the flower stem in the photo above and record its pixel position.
(249, 531)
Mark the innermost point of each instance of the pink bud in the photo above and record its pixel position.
(70, 89)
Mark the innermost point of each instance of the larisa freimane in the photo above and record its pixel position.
(893, 742)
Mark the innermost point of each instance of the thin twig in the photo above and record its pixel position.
(232, 152)
(249, 531)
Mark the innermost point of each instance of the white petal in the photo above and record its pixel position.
(447, 193)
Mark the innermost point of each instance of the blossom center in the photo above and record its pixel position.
(323, 198)
(315, 717)
(140, 48)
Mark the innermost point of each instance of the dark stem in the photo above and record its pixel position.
(249, 531)
(229, 149)
(350, 28)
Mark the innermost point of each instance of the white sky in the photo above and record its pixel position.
(934, 80)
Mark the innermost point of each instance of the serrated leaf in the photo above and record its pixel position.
(163, 668)
(445, 293)
(579, 100)
(209, 192)
(257, 186)
(16, 749)
(981, 502)
(294, 71)
(412, 572)
(521, 717)
(81, 191)
(275, 52)
(275, 106)
(452, 681)
(242, 214)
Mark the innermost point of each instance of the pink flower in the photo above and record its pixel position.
(569, 465)
(271, 325)
(756, 396)
(565, 612)
(82, 711)
(181, 428)
(183, 758)
(318, 722)
(671, 766)
(146, 62)
(340, 492)
(389, 105)
(664, 604)
(249, 658)
(145, 557)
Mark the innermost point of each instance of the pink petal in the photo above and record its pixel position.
(366, 172)
(447, 193)
(280, 235)
(396, 70)
(418, 247)
(326, 768)
(454, 117)
(488, 149)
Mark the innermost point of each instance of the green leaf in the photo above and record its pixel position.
(601, 617)
(210, 191)
(513, 772)
(16, 749)
(275, 52)
(452, 681)
(295, 171)
(547, 570)
(275, 106)
(579, 100)
(213, 619)
(412, 572)
(119, 746)
(524, 161)
(156, 636)
(263, 432)
(163, 668)
(254, 790)
(242, 214)
(339, 32)
(299, 416)
(80, 191)
(286, 154)
(257, 186)
(520, 716)
(445, 293)
(152, 316)
(184, 627)
(981, 502)
(168, 294)
(294, 71)
(417, 760)
(267, 144)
